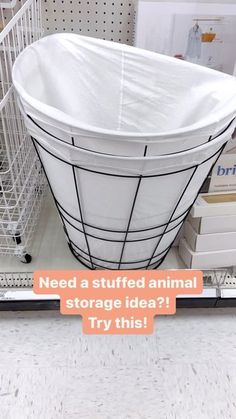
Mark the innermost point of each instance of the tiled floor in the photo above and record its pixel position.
(185, 370)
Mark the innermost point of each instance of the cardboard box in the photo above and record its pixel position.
(209, 242)
(223, 176)
(214, 204)
(206, 260)
(210, 225)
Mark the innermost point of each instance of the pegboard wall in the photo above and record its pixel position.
(105, 19)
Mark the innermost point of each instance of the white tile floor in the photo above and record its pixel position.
(185, 370)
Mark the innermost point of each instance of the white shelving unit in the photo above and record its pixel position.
(22, 182)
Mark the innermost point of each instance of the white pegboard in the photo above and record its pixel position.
(105, 19)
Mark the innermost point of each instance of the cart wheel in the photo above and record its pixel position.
(26, 258)
(17, 238)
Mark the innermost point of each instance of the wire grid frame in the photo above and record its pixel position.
(23, 29)
(175, 222)
(8, 9)
(22, 183)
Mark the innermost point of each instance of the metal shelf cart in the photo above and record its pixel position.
(22, 183)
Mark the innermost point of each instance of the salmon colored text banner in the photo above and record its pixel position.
(118, 302)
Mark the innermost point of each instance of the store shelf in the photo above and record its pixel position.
(207, 293)
(228, 293)
(25, 299)
(50, 251)
(15, 299)
(24, 295)
(18, 294)
(227, 298)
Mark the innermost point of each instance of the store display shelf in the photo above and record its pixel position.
(228, 293)
(15, 299)
(50, 251)
(17, 294)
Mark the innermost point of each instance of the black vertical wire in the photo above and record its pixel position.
(62, 219)
(219, 152)
(54, 198)
(212, 166)
(173, 213)
(80, 209)
(131, 213)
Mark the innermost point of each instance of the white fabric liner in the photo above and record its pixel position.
(117, 94)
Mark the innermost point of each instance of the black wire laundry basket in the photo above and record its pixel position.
(136, 240)
(126, 137)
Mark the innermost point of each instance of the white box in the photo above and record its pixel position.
(209, 242)
(210, 225)
(206, 260)
(214, 204)
(223, 177)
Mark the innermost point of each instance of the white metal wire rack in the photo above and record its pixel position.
(7, 11)
(22, 183)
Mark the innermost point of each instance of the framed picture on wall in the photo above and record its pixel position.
(201, 33)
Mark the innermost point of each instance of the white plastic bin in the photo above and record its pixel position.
(122, 197)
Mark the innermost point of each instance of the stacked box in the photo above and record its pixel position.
(210, 232)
